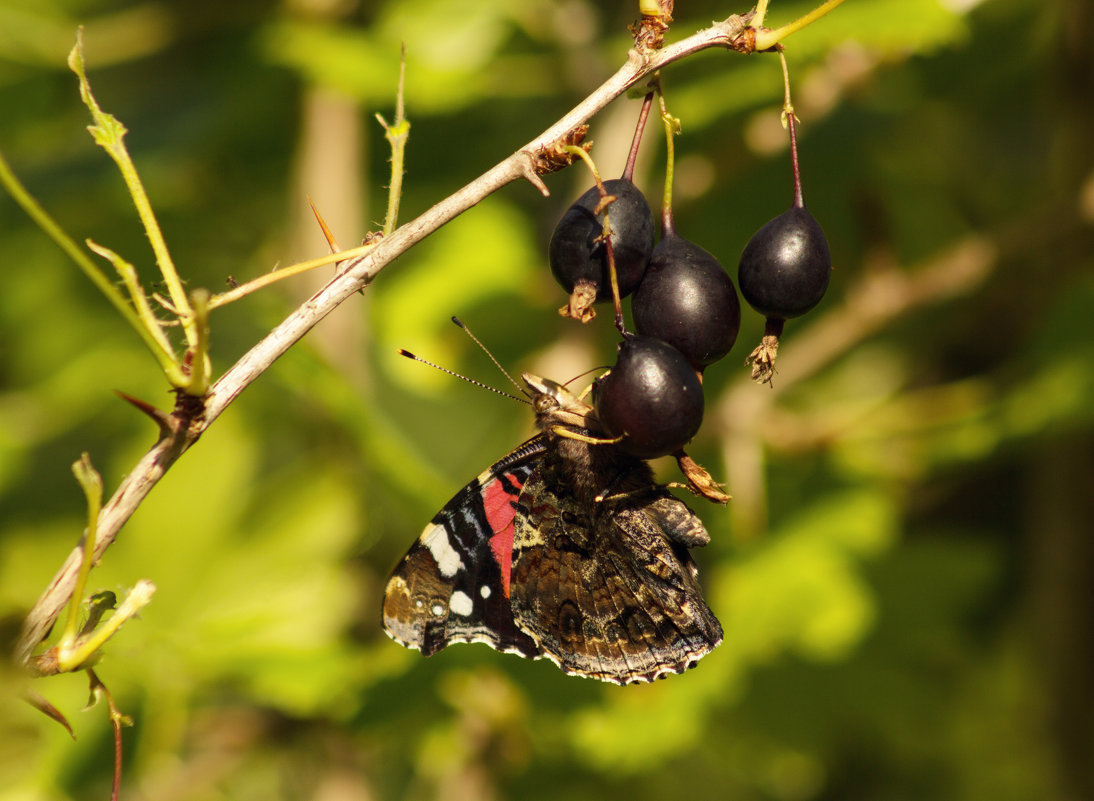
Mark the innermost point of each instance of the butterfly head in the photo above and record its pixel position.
(552, 399)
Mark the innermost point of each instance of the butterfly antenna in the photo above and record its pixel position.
(582, 375)
(486, 350)
(480, 384)
(589, 388)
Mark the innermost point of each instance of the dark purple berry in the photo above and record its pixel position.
(576, 253)
(652, 398)
(785, 267)
(687, 299)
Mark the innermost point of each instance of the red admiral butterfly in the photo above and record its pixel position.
(564, 549)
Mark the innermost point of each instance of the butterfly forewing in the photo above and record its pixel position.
(453, 584)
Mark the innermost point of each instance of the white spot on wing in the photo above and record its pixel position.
(460, 603)
(485, 591)
(448, 561)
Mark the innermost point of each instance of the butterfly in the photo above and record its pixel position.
(566, 549)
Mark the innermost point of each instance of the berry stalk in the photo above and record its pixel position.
(636, 142)
(672, 127)
(789, 120)
(606, 200)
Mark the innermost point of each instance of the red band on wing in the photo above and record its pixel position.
(499, 499)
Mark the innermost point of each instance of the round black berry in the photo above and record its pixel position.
(651, 397)
(577, 254)
(688, 300)
(785, 267)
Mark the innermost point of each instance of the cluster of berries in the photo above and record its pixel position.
(684, 306)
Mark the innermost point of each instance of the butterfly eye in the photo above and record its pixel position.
(544, 403)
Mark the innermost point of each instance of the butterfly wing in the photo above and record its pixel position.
(611, 593)
(453, 585)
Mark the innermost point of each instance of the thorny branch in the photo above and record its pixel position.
(185, 424)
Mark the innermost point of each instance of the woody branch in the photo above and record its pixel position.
(183, 427)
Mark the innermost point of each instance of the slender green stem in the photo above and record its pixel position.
(92, 484)
(672, 127)
(580, 152)
(766, 38)
(759, 13)
(200, 366)
(159, 347)
(109, 133)
(234, 294)
(396, 134)
(137, 295)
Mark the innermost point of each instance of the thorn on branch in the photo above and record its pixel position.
(528, 170)
(40, 703)
(189, 410)
(158, 416)
(332, 243)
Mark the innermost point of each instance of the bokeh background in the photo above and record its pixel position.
(906, 572)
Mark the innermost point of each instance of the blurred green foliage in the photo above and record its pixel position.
(904, 574)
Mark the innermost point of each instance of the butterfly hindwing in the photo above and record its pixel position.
(607, 592)
(453, 584)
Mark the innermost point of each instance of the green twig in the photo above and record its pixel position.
(236, 293)
(759, 13)
(137, 295)
(78, 645)
(159, 347)
(767, 38)
(198, 355)
(92, 484)
(396, 134)
(109, 133)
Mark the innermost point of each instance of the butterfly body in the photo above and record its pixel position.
(564, 549)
